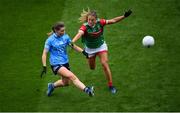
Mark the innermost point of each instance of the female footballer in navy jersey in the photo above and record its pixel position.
(92, 36)
(56, 45)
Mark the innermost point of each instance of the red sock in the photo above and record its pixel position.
(109, 84)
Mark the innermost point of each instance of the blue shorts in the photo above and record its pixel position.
(55, 68)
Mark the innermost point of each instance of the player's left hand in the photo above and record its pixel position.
(43, 71)
(71, 44)
(85, 54)
(127, 13)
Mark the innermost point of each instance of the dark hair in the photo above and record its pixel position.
(57, 26)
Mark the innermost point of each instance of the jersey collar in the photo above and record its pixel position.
(56, 36)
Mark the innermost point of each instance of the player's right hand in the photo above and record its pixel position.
(127, 13)
(44, 69)
(85, 54)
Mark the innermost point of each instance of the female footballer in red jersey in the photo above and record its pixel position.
(92, 36)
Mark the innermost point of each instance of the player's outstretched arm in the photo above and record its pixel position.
(78, 49)
(119, 18)
(75, 47)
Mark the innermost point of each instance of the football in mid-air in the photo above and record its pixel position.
(148, 41)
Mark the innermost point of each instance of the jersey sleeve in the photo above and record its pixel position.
(103, 22)
(47, 44)
(83, 28)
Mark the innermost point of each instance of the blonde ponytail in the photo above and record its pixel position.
(84, 15)
(50, 33)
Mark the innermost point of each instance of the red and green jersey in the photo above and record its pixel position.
(93, 36)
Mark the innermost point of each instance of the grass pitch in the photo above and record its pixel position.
(146, 79)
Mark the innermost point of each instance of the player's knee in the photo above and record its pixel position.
(72, 77)
(66, 83)
(104, 63)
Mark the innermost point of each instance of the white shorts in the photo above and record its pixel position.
(94, 51)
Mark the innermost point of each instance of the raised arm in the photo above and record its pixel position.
(119, 18)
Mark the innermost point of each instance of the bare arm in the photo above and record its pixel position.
(115, 20)
(77, 48)
(119, 18)
(78, 36)
(74, 46)
(44, 57)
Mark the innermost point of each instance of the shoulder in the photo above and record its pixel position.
(66, 39)
(84, 26)
(50, 38)
(102, 21)
(66, 36)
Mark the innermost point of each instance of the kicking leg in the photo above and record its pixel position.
(64, 72)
